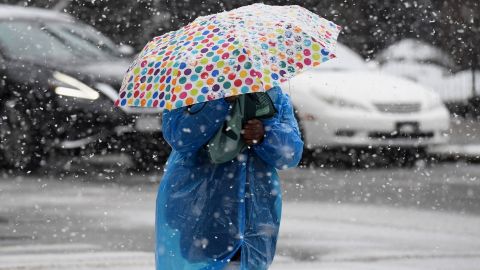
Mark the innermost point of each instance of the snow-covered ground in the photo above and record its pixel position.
(313, 236)
(328, 236)
(79, 261)
(88, 223)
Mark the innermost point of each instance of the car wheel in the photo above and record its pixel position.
(406, 157)
(415, 157)
(19, 147)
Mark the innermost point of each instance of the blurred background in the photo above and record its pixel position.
(390, 173)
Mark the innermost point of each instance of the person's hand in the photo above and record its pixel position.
(253, 132)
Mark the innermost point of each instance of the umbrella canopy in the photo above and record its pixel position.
(245, 50)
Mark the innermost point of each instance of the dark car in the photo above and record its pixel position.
(59, 79)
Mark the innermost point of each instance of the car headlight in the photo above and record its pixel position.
(342, 103)
(66, 85)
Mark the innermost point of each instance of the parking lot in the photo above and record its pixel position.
(335, 218)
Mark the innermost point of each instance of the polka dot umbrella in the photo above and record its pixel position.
(248, 49)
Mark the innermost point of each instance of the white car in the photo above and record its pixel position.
(430, 67)
(348, 104)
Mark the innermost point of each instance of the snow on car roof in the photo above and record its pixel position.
(9, 12)
(416, 51)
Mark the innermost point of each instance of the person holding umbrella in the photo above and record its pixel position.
(229, 206)
(230, 127)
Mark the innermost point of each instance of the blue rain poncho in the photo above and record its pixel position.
(206, 212)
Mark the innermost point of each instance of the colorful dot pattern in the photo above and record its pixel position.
(245, 50)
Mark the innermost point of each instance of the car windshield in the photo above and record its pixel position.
(54, 42)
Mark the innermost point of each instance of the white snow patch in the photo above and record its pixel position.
(329, 236)
(80, 261)
(46, 248)
(313, 235)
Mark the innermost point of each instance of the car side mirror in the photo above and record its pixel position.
(126, 50)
